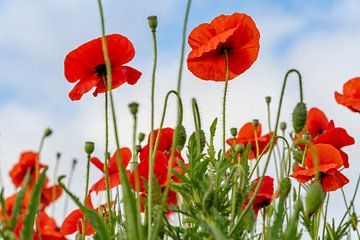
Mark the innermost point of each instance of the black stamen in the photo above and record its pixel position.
(101, 70)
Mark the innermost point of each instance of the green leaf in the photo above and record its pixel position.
(29, 219)
(3, 208)
(19, 199)
(92, 216)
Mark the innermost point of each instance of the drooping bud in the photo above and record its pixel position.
(233, 132)
(134, 106)
(141, 137)
(268, 99)
(285, 186)
(314, 199)
(239, 148)
(283, 126)
(181, 137)
(299, 117)
(47, 132)
(152, 20)
(255, 123)
(89, 147)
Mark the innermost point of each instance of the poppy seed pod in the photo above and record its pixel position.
(141, 137)
(152, 20)
(89, 147)
(314, 199)
(239, 148)
(285, 186)
(283, 126)
(47, 132)
(268, 99)
(138, 148)
(181, 137)
(233, 132)
(255, 123)
(134, 106)
(299, 117)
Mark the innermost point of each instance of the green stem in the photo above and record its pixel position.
(272, 143)
(68, 185)
(224, 100)
(54, 189)
(274, 154)
(133, 226)
(183, 41)
(86, 194)
(151, 165)
(197, 125)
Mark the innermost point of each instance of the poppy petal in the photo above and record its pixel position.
(333, 180)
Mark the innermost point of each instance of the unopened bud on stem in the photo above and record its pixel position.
(89, 147)
(152, 20)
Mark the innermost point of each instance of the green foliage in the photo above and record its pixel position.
(29, 219)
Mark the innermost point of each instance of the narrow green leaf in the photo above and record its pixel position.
(19, 199)
(3, 207)
(92, 216)
(29, 219)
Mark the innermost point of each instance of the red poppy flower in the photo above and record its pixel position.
(46, 228)
(329, 160)
(10, 203)
(86, 65)
(247, 134)
(73, 222)
(265, 194)
(165, 140)
(50, 195)
(114, 180)
(236, 33)
(324, 131)
(351, 95)
(27, 161)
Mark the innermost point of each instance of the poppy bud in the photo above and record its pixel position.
(314, 198)
(239, 148)
(306, 137)
(152, 20)
(285, 186)
(298, 205)
(181, 137)
(283, 126)
(138, 148)
(354, 221)
(47, 132)
(268, 99)
(133, 108)
(209, 200)
(299, 117)
(141, 137)
(269, 211)
(255, 123)
(298, 155)
(89, 147)
(233, 132)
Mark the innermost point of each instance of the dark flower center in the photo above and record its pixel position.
(101, 70)
(224, 49)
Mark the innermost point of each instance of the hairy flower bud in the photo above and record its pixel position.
(299, 117)
(152, 20)
(89, 147)
(314, 198)
(285, 186)
(283, 126)
(181, 137)
(239, 148)
(47, 132)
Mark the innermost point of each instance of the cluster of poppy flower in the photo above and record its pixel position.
(221, 50)
(46, 227)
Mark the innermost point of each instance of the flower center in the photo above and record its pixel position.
(224, 49)
(101, 70)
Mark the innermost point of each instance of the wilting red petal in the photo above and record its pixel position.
(125, 159)
(83, 86)
(114, 181)
(237, 33)
(351, 95)
(50, 195)
(97, 163)
(333, 180)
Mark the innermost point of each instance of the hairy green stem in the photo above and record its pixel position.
(86, 194)
(224, 101)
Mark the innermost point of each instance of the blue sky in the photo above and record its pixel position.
(320, 38)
